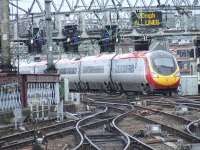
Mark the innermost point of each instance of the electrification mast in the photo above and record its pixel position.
(5, 40)
(48, 21)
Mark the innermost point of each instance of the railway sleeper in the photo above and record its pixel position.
(105, 138)
(2, 143)
(17, 144)
(135, 145)
(87, 146)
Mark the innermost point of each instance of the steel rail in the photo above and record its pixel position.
(27, 137)
(133, 139)
(26, 134)
(92, 143)
(30, 139)
(191, 125)
(169, 104)
(115, 107)
(169, 128)
(180, 118)
(80, 134)
(52, 135)
(128, 144)
(128, 106)
(116, 120)
(139, 145)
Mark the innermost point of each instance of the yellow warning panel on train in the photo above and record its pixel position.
(146, 19)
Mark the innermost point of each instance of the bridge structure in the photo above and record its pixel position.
(179, 18)
(93, 15)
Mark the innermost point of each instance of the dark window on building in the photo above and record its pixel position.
(0, 44)
(109, 37)
(184, 67)
(71, 42)
(186, 53)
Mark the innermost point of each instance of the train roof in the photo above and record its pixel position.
(98, 57)
(135, 54)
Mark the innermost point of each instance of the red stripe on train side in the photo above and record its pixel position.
(148, 73)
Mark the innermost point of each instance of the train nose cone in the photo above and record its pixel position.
(166, 81)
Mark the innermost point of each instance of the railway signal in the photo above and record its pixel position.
(72, 39)
(36, 41)
(109, 38)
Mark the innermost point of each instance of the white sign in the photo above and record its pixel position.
(5, 37)
(50, 48)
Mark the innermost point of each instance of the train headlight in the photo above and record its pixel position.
(155, 75)
(177, 74)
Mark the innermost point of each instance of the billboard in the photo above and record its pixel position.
(146, 19)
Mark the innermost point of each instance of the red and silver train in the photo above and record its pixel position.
(138, 72)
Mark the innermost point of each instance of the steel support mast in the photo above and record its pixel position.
(5, 40)
(48, 21)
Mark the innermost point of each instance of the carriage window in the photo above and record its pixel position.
(68, 70)
(93, 69)
(124, 68)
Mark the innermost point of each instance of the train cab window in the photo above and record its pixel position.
(164, 65)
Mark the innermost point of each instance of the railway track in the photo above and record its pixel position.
(102, 134)
(186, 121)
(80, 134)
(194, 128)
(117, 124)
(107, 136)
(162, 117)
(187, 112)
(10, 129)
(173, 124)
(154, 134)
(27, 137)
(64, 130)
(81, 141)
(132, 143)
(190, 102)
(165, 117)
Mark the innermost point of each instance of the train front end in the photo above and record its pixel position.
(162, 72)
